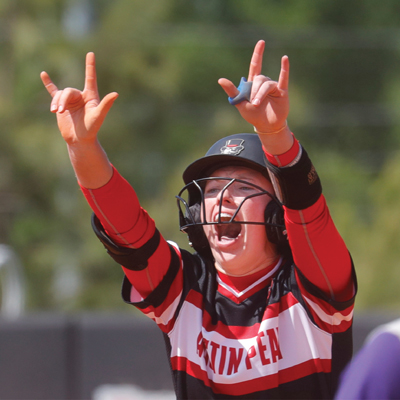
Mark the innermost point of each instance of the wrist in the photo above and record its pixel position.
(270, 132)
(91, 165)
(277, 142)
(81, 143)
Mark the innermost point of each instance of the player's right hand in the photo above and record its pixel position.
(80, 114)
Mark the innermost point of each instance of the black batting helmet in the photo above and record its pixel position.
(241, 149)
(244, 150)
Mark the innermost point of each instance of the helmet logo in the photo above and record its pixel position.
(233, 147)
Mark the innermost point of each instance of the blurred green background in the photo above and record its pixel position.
(164, 58)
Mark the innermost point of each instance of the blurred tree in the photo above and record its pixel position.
(377, 241)
(164, 59)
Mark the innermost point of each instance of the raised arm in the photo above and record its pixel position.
(120, 218)
(318, 250)
(80, 115)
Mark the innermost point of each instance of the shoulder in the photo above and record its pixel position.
(375, 370)
(392, 327)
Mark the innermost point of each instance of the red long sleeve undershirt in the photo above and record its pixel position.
(318, 249)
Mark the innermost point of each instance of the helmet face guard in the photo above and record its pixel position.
(191, 198)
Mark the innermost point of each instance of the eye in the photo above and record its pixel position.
(211, 190)
(246, 188)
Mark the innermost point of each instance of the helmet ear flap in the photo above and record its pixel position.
(275, 226)
(192, 214)
(196, 235)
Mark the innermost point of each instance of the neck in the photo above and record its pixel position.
(229, 270)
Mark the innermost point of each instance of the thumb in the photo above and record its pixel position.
(230, 89)
(107, 102)
(104, 106)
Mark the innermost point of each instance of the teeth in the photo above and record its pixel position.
(224, 217)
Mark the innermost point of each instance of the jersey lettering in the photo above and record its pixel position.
(234, 360)
(222, 359)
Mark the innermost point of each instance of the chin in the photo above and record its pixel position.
(229, 263)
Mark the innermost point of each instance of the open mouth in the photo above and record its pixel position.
(227, 231)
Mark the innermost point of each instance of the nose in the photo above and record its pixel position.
(226, 196)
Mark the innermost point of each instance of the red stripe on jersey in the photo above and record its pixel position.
(147, 280)
(307, 368)
(165, 319)
(325, 315)
(335, 322)
(241, 283)
(275, 309)
(260, 384)
(273, 381)
(164, 315)
(239, 289)
(195, 298)
(238, 297)
(183, 364)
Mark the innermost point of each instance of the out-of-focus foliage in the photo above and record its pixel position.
(164, 58)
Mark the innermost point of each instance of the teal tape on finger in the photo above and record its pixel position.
(244, 92)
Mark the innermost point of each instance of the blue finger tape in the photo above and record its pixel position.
(244, 92)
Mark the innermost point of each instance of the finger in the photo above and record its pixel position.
(230, 89)
(54, 102)
(48, 83)
(257, 83)
(256, 60)
(267, 88)
(90, 74)
(283, 82)
(67, 97)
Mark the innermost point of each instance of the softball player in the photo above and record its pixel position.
(263, 307)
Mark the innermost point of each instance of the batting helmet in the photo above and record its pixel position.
(245, 150)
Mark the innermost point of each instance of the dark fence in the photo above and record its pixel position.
(59, 357)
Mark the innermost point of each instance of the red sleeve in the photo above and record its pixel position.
(318, 249)
(284, 159)
(128, 224)
(118, 208)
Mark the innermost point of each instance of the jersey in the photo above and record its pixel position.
(274, 340)
(374, 371)
(281, 334)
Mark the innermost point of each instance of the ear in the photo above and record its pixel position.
(275, 226)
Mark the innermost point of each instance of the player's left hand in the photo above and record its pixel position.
(268, 107)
